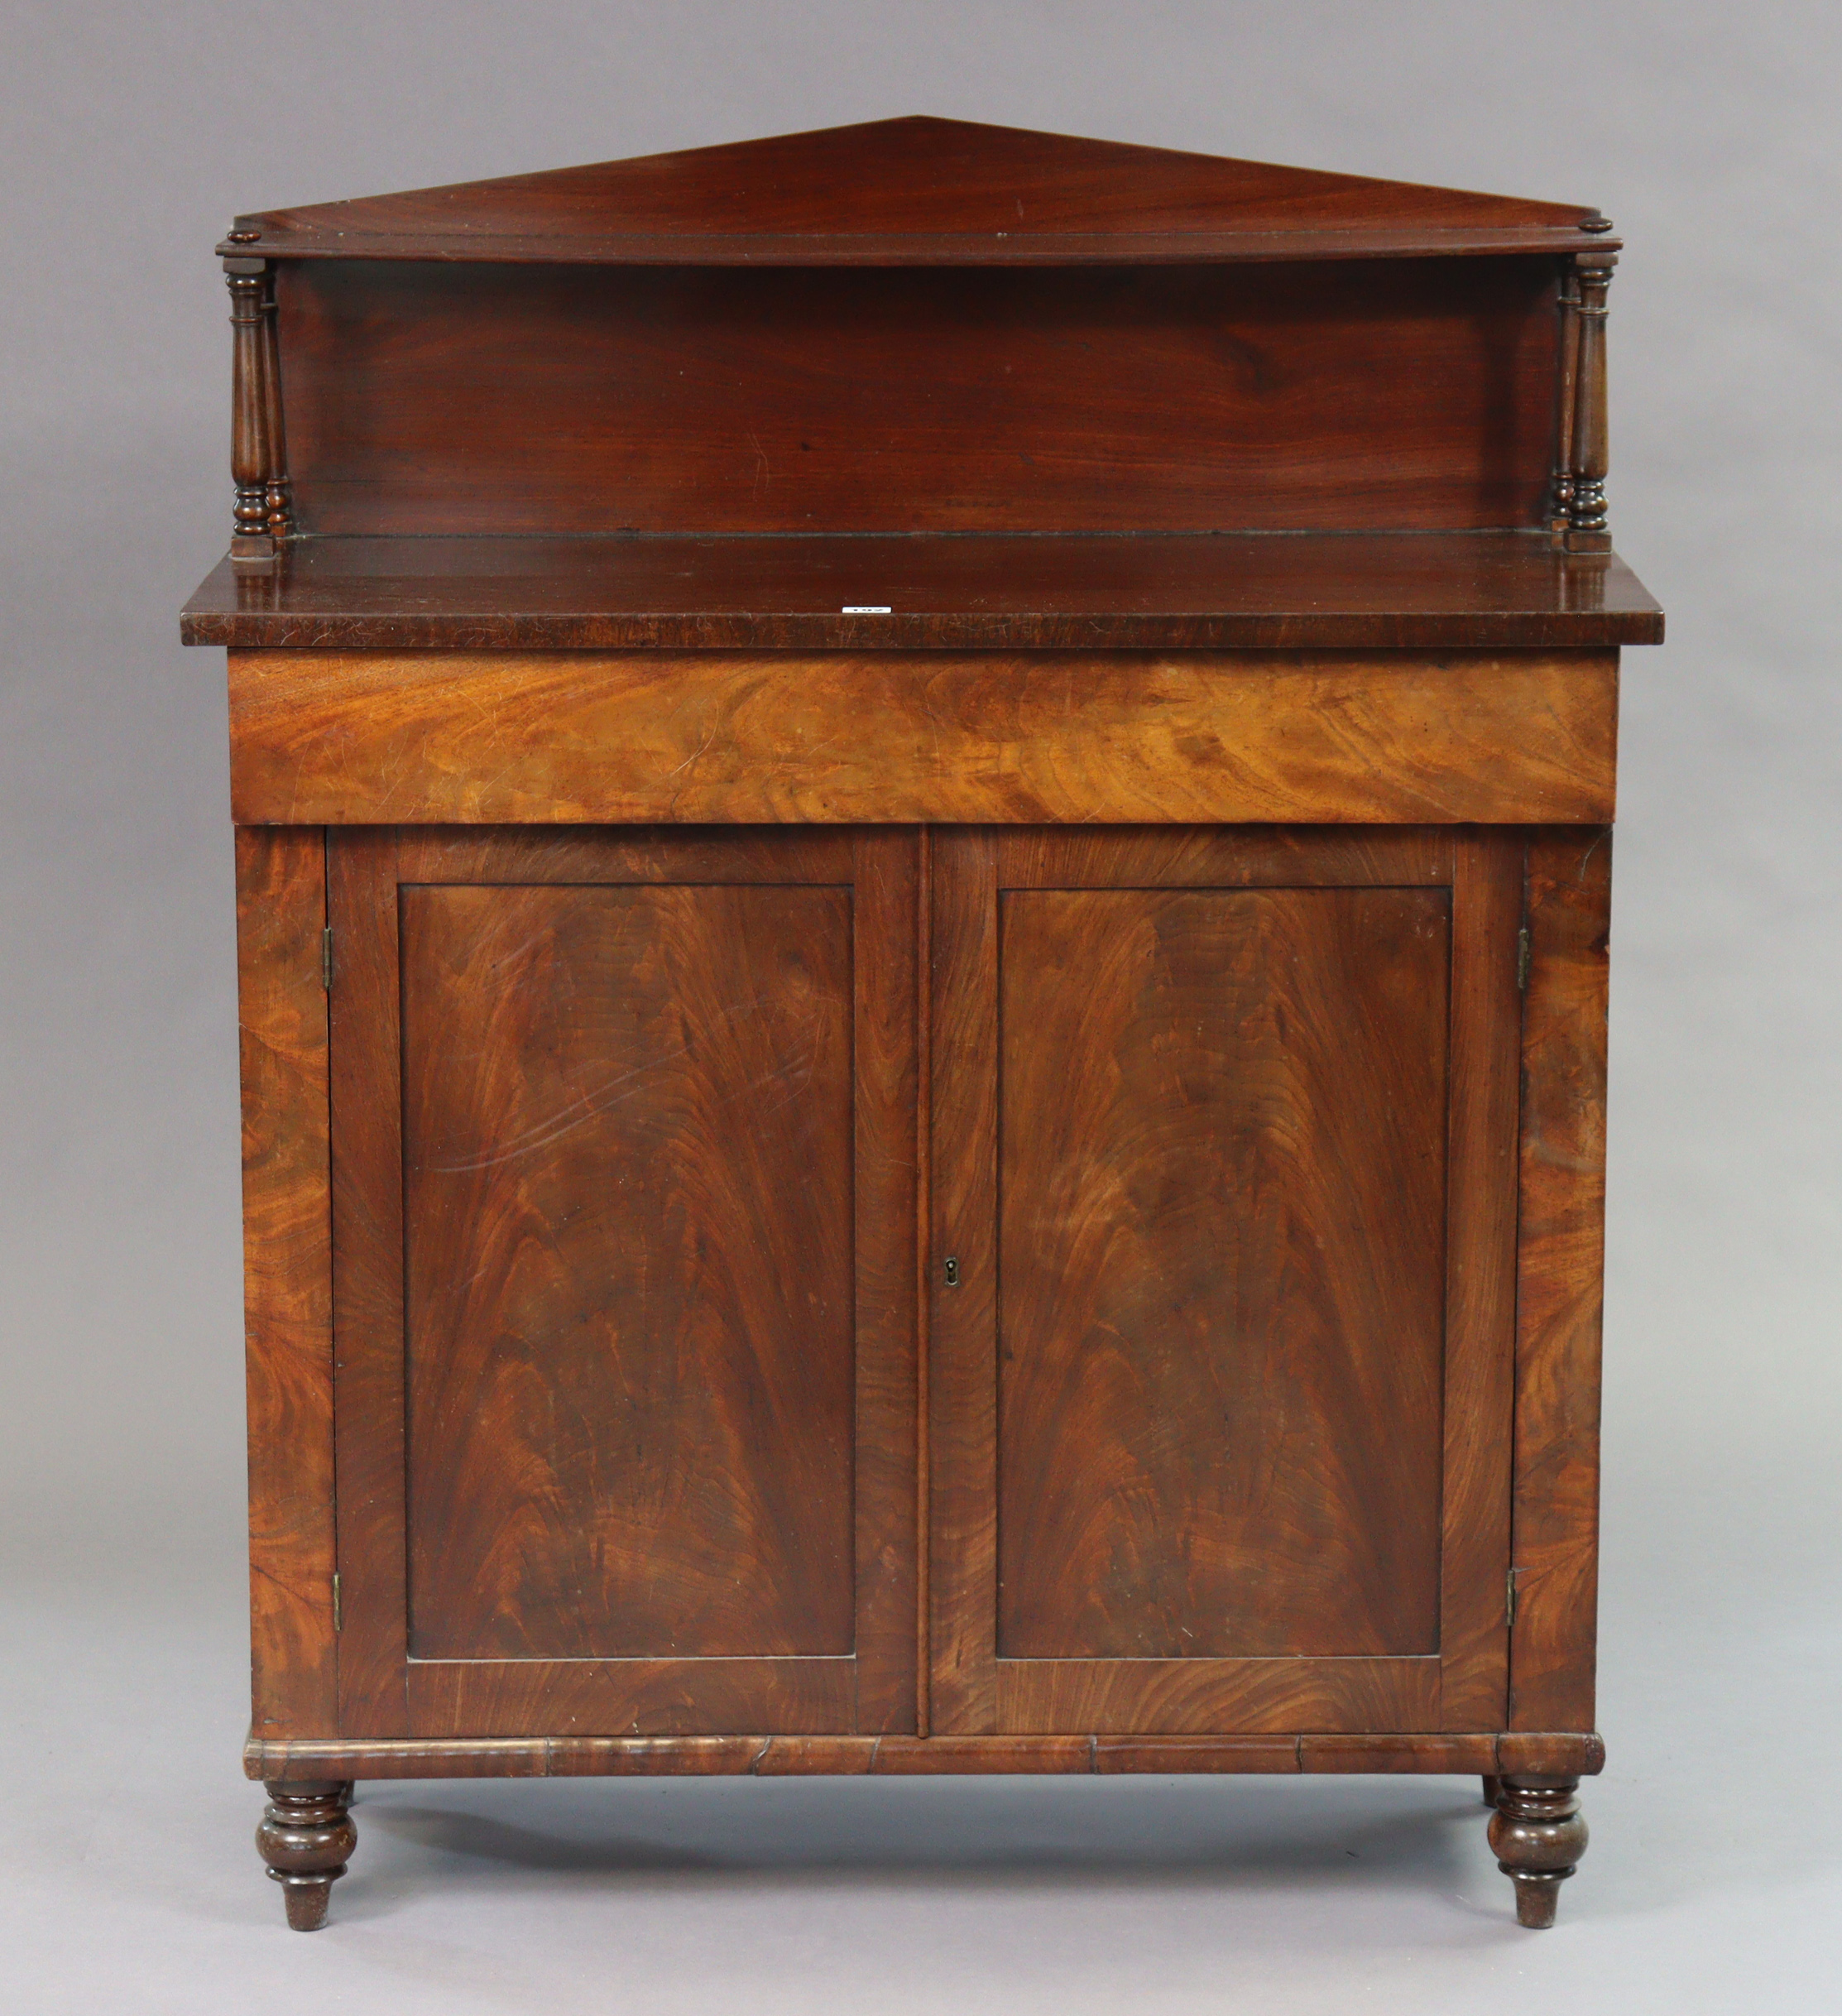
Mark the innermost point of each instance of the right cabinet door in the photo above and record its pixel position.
(1224, 1143)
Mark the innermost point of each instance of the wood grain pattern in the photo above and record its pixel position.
(1222, 1251)
(730, 855)
(1225, 858)
(1560, 1262)
(640, 1696)
(1179, 398)
(888, 1260)
(347, 737)
(1384, 591)
(962, 1347)
(287, 1278)
(362, 881)
(627, 1162)
(1206, 1696)
(879, 866)
(975, 1688)
(924, 1275)
(1478, 1399)
(724, 1469)
(1561, 1753)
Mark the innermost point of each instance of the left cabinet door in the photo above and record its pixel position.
(624, 1231)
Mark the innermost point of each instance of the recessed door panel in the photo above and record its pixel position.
(1221, 1266)
(627, 1164)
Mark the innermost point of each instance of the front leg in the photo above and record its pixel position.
(1538, 1837)
(306, 1837)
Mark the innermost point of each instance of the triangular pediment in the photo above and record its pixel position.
(915, 190)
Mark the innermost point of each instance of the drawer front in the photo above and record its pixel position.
(1122, 737)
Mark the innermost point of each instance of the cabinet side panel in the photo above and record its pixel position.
(287, 1277)
(1561, 1256)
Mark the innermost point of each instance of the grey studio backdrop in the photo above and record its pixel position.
(129, 135)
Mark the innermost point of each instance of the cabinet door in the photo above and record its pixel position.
(1224, 1143)
(624, 1254)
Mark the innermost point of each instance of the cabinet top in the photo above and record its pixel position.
(919, 192)
(1428, 592)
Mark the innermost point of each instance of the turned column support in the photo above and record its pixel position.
(306, 1837)
(1538, 1837)
(258, 453)
(1588, 436)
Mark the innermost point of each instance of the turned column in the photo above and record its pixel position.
(258, 450)
(1590, 442)
(1538, 1838)
(306, 1837)
(249, 448)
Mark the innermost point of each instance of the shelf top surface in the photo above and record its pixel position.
(1402, 591)
(917, 191)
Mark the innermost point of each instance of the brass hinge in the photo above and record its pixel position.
(1521, 959)
(339, 1608)
(326, 958)
(1509, 1602)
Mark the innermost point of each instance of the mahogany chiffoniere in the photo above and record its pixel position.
(922, 843)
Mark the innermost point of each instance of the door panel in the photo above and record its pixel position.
(615, 1292)
(624, 1232)
(1218, 1122)
(1220, 1269)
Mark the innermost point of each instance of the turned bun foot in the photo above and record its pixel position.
(1538, 1838)
(306, 1837)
